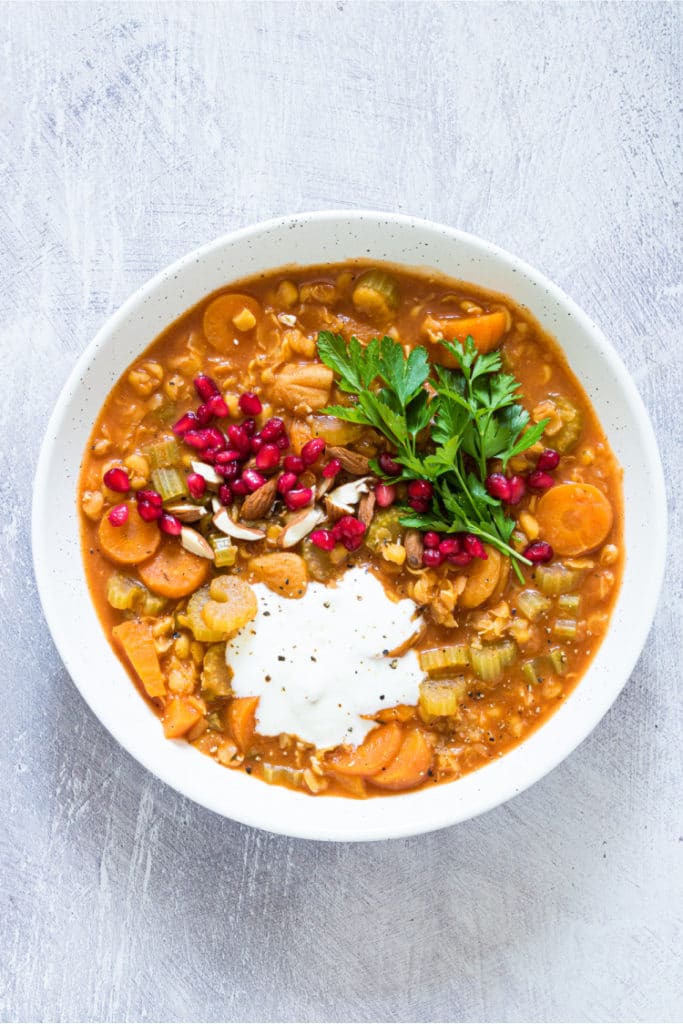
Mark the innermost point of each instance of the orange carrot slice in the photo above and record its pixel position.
(133, 542)
(242, 720)
(180, 714)
(377, 749)
(230, 317)
(138, 644)
(574, 518)
(486, 331)
(173, 571)
(410, 766)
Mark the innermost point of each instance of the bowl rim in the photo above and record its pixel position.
(400, 828)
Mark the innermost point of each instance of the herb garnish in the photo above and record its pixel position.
(472, 413)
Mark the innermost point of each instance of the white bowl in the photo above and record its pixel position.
(319, 238)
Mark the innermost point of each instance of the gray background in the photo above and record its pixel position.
(131, 134)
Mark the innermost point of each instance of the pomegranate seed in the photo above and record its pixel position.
(196, 485)
(432, 558)
(205, 387)
(449, 546)
(388, 465)
(312, 450)
(286, 482)
(323, 539)
(461, 558)
(203, 415)
(117, 480)
(228, 470)
(186, 422)
(118, 515)
(517, 490)
(250, 404)
(210, 454)
(252, 479)
(431, 539)
(548, 459)
(299, 497)
(216, 438)
(218, 407)
(197, 439)
(229, 455)
(473, 546)
(148, 511)
(498, 486)
(268, 457)
(419, 504)
(385, 495)
(249, 426)
(294, 463)
(539, 551)
(272, 429)
(224, 494)
(540, 481)
(239, 488)
(151, 497)
(282, 442)
(349, 531)
(352, 543)
(256, 444)
(170, 525)
(421, 489)
(331, 469)
(239, 438)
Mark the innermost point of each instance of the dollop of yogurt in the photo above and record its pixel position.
(319, 662)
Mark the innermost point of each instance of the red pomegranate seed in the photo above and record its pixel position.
(228, 470)
(148, 511)
(268, 457)
(540, 481)
(205, 387)
(286, 482)
(256, 444)
(498, 486)
(252, 479)
(238, 438)
(272, 429)
(473, 546)
(548, 459)
(282, 442)
(299, 497)
(349, 531)
(186, 422)
(421, 489)
(239, 488)
(388, 465)
(170, 525)
(210, 454)
(323, 539)
(431, 539)
(196, 485)
(432, 558)
(539, 551)
(203, 415)
(117, 480)
(218, 407)
(385, 495)
(517, 490)
(224, 494)
(331, 469)
(118, 515)
(461, 558)
(312, 450)
(197, 439)
(419, 504)
(151, 497)
(450, 546)
(250, 404)
(229, 455)
(294, 464)
(249, 426)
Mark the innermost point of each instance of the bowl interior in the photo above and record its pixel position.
(319, 238)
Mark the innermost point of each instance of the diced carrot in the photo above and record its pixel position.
(138, 644)
(410, 766)
(180, 714)
(173, 571)
(229, 317)
(133, 542)
(354, 785)
(242, 720)
(377, 749)
(482, 578)
(486, 331)
(399, 713)
(574, 518)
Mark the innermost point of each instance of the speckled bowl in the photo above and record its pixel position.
(318, 238)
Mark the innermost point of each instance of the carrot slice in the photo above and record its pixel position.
(410, 766)
(138, 644)
(574, 518)
(377, 749)
(242, 720)
(482, 578)
(230, 317)
(173, 571)
(486, 331)
(180, 714)
(133, 542)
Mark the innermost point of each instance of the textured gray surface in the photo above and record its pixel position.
(132, 133)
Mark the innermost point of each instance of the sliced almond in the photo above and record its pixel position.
(300, 525)
(348, 495)
(414, 548)
(187, 513)
(259, 503)
(195, 543)
(239, 531)
(208, 472)
(352, 462)
(366, 508)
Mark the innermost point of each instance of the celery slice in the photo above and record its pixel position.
(529, 669)
(282, 775)
(123, 593)
(440, 698)
(565, 628)
(453, 656)
(490, 662)
(169, 483)
(532, 604)
(163, 454)
(569, 603)
(556, 578)
(558, 659)
(224, 551)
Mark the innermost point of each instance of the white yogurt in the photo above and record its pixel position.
(316, 662)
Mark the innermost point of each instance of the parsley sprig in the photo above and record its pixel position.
(472, 413)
